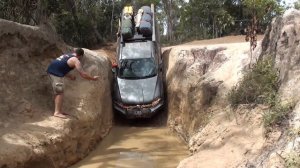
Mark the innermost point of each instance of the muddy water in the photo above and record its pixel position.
(135, 147)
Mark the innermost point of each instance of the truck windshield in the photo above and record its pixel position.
(137, 68)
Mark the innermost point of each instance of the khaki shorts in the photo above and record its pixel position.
(57, 84)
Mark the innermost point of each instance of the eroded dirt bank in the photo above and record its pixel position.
(29, 135)
(281, 43)
(198, 79)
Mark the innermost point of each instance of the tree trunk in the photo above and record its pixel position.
(168, 8)
(72, 7)
(112, 19)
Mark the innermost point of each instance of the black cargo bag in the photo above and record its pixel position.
(147, 10)
(127, 28)
(146, 28)
(146, 17)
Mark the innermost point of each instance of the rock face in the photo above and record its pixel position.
(282, 44)
(29, 135)
(198, 77)
(221, 142)
(228, 140)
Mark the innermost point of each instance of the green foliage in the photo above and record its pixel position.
(297, 5)
(277, 114)
(264, 10)
(201, 19)
(81, 23)
(261, 7)
(293, 160)
(259, 86)
(86, 22)
(139, 3)
(18, 11)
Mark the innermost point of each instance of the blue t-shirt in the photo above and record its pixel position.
(59, 67)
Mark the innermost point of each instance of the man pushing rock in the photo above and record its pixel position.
(60, 68)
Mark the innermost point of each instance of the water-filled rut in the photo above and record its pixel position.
(133, 147)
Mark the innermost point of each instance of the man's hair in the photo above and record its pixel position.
(79, 51)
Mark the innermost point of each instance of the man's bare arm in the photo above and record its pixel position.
(82, 73)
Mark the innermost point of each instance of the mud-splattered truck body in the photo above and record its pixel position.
(138, 90)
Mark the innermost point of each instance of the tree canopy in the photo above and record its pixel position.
(297, 4)
(89, 22)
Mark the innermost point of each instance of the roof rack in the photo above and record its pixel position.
(140, 37)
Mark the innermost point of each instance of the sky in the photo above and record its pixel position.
(289, 2)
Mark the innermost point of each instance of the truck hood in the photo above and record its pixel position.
(139, 91)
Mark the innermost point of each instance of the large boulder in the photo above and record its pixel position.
(223, 143)
(29, 135)
(199, 77)
(281, 42)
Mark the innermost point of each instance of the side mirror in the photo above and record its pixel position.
(114, 70)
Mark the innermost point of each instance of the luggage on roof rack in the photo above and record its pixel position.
(138, 18)
(146, 28)
(142, 26)
(128, 10)
(145, 25)
(147, 10)
(127, 28)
